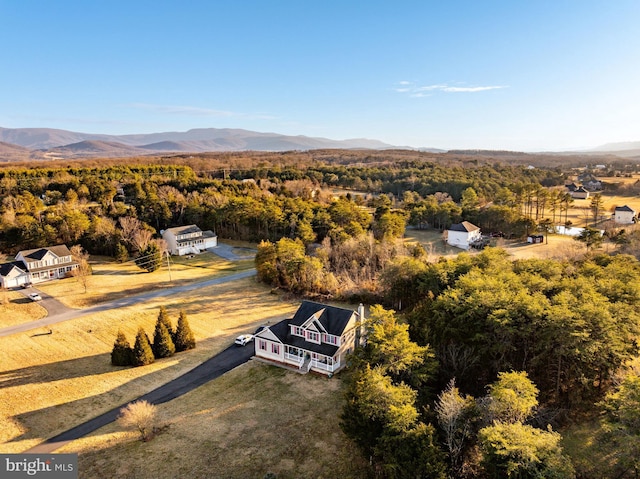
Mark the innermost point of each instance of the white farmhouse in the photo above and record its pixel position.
(189, 239)
(624, 215)
(462, 235)
(37, 265)
(318, 338)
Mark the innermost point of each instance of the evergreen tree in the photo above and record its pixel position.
(142, 352)
(163, 317)
(183, 338)
(121, 354)
(163, 346)
(150, 258)
(122, 254)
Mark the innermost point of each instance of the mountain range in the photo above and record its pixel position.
(21, 144)
(48, 143)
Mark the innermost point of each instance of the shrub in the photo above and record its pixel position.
(121, 354)
(183, 338)
(163, 346)
(142, 352)
(139, 415)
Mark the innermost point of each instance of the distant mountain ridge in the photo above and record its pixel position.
(64, 143)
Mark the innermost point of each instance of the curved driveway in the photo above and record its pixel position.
(214, 367)
(62, 313)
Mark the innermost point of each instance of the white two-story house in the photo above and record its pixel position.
(37, 265)
(317, 338)
(189, 239)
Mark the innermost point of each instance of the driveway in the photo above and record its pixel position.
(213, 368)
(59, 312)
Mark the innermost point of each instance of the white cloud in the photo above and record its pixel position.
(417, 91)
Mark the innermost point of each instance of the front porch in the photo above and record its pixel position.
(306, 361)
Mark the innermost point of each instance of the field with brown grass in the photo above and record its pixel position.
(253, 420)
(16, 308)
(49, 383)
(111, 280)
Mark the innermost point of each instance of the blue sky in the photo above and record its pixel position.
(519, 75)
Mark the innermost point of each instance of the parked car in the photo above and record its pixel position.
(35, 297)
(243, 339)
(26, 285)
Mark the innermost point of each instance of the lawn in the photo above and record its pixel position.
(253, 420)
(49, 383)
(111, 280)
(16, 308)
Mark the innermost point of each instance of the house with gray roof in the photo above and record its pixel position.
(624, 215)
(189, 239)
(463, 235)
(37, 265)
(318, 338)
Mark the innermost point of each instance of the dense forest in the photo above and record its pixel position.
(486, 361)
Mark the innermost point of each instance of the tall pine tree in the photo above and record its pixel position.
(183, 338)
(142, 352)
(163, 317)
(121, 354)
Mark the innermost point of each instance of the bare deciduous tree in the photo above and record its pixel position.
(83, 271)
(140, 415)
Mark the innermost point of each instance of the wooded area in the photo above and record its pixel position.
(426, 398)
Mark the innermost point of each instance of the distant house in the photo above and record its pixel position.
(317, 338)
(593, 185)
(580, 194)
(624, 215)
(571, 187)
(37, 265)
(462, 235)
(189, 239)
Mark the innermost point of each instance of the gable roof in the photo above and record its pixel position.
(331, 318)
(39, 253)
(184, 230)
(465, 227)
(6, 268)
(625, 208)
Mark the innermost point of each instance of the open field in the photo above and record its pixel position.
(15, 308)
(49, 383)
(253, 420)
(111, 280)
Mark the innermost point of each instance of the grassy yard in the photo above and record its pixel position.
(49, 383)
(111, 280)
(253, 420)
(16, 308)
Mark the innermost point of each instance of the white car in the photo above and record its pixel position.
(35, 297)
(244, 339)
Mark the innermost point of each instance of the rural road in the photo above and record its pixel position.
(59, 313)
(214, 367)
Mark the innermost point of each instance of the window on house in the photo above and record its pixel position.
(329, 339)
(313, 336)
(262, 345)
(275, 348)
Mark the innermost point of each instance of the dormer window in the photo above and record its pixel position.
(313, 336)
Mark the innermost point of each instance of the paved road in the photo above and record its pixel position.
(213, 368)
(62, 313)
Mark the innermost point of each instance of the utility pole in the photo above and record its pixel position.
(168, 265)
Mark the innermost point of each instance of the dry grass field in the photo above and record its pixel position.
(253, 420)
(111, 281)
(16, 308)
(49, 383)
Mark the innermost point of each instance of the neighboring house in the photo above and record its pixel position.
(624, 215)
(463, 235)
(37, 265)
(571, 187)
(189, 239)
(593, 185)
(317, 338)
(580, 194)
